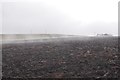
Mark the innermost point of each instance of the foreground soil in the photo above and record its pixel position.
(73, 58)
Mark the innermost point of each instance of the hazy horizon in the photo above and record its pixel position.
(70, 17)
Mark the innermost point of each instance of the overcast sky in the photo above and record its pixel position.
(78, 17)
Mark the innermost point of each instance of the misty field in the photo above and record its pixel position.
(73, 58)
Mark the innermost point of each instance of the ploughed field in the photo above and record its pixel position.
(73, 58)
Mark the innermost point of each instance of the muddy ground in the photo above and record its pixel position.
(73, 58)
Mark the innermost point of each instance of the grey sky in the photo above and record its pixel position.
(59, 17)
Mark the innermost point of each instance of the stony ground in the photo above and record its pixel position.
(94, 57)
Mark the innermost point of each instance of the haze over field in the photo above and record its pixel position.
(13, 37)
(75, 17)
(59, 39)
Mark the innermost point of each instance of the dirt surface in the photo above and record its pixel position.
(94, 57)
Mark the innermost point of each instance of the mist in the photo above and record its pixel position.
(53, 18)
